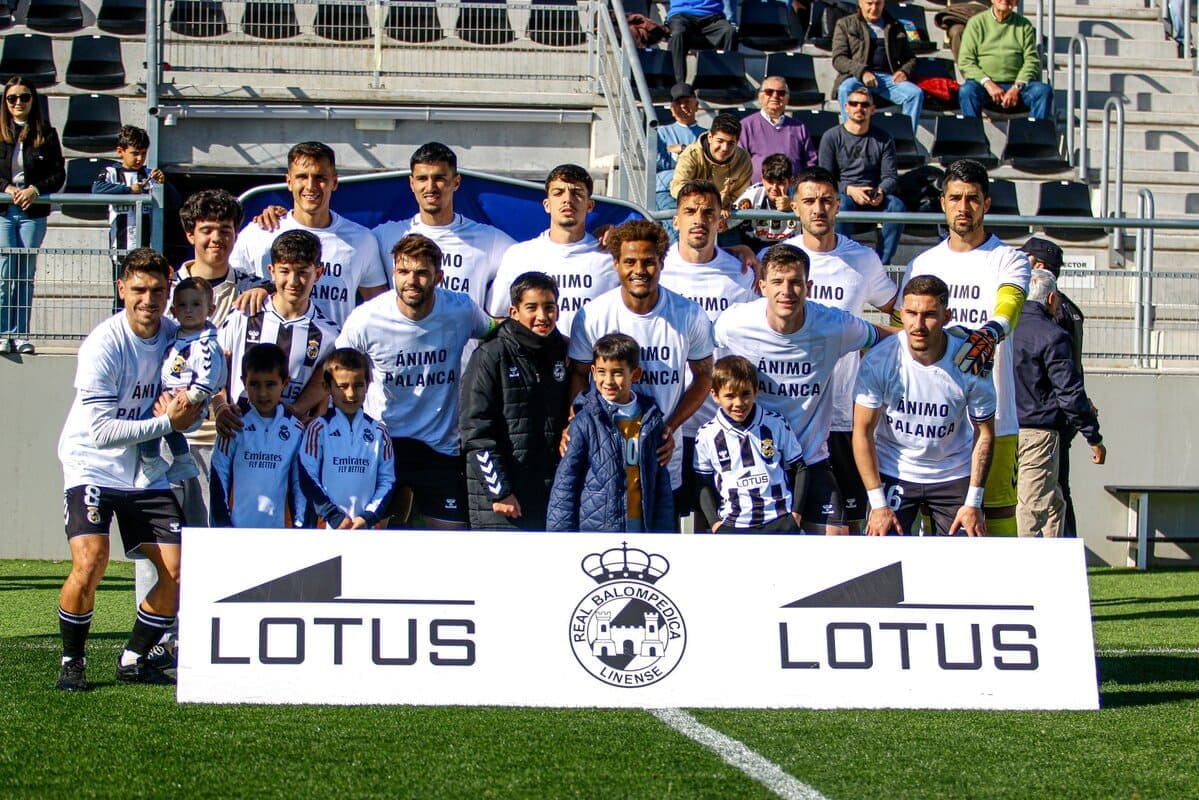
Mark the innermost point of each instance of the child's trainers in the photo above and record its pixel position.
(183, 468)
(150, 470)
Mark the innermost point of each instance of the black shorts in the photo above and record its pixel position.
(941, 500)
(840, 457)
(822, 501)
(145, 516)
(437, 481)
(783, 524)
(686, 497)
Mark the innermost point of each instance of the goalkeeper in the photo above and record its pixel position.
(988, 281)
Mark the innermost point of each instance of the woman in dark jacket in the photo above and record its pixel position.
(31, 164)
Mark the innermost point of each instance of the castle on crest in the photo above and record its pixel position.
(642, 640)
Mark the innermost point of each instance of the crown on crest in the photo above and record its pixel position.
(625, 562)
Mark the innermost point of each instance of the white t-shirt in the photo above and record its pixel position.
(471, 252)
(673, 333)
(847, 277)
(795, 371)
(415, 364)
(117, 381)
(924, 436)
(714, 287)
(348, 255)
(583, 272)
(974, 279)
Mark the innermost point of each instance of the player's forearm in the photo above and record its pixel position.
(865, 456)
(980, 458)
(110, 432)
(690, 402)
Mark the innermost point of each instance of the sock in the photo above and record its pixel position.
(147, 630)
(74, 629)
(1003, 526)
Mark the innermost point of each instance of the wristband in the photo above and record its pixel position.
(876, 498)
(974, 497)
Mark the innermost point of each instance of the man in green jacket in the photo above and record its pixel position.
(999, 60)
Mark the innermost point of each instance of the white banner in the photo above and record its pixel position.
(643, 620)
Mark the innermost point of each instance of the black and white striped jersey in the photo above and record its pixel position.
(306, 340)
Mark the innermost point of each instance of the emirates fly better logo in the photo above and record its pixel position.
(626, 632)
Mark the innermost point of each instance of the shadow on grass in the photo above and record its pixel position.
(1168, 613)
(13, 583)
(1141, 671)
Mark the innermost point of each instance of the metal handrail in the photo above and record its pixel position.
(1084, 104)
(633, 76)
(1117, 103)
(1143, 313)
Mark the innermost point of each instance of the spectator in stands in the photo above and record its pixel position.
(31, 164)
(871, 50)
(1001, 65)
(772, 130)
(1178, 22)
(862, 159)
(673, 139)
(1050, 399)
(715, 157)
(772, 193)
(698, 25)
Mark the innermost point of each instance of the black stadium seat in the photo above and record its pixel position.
(959, 137)
(96, 63)
(122, 16)
(937, 68)
(911, 16)
(799, 71)
(817, 122)
(342, 22)
(484, 22)
(658, 71)
(270, 19)
(414, 21)
(720, 77)
(31, 56)
(663, 116)
(555, 23)
(199, 18)
(93, 122)
(823, 19)
(767, 25)
(1067, 199)
(1003, 201)
(80, 174)
(1032, 146)
(5, 13)
(899, 126)
(54, 15)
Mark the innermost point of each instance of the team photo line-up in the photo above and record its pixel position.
(300, 382)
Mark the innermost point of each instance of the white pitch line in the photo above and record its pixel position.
(736, 754)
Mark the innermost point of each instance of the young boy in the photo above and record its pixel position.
(747, 458)
(194, 363)
(347, 468)
(609, 479)
(773, 193)
(258, 467)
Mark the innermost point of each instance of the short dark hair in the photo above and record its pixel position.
(195, 284)
(419, 247)
(778, 168)
(726, 123)
(570, 173)
(734, 371)
(928, 286)
(814, 175)
(346, 358)
(861, 89)
(785, 255)
(638, 230)
(133, 136)
(314, 151)
(434, 153)
(296, 247)
(698, 187)
(618, 347)
(532, 281)
(265, 357)
(966, 170)
(147, 260)
(210, 205)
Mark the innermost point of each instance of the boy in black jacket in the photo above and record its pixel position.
(513, 409)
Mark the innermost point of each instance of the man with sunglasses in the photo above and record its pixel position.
(870, 49)
(772, 131)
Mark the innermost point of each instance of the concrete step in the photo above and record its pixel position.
(1123, 9)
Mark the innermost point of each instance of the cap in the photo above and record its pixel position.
(681, 90)
(1046, 251)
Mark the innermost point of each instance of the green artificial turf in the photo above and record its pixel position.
(134, 741)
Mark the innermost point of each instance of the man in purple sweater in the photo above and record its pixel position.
(772, 131)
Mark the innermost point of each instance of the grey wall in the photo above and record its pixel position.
(1148, 426)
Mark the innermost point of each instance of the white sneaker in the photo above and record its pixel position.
(151, 470)
(7, 346)
(24, 347)
(183, 468)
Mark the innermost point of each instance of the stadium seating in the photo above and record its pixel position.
(1067, 199)
(555, 23)
(57, 16)
(80, 174)
(933, 67)
(93, 122)
(767, 25)
(1003, 201)
(663, 115)
(823, 19)
(484, 22)
(122, 16)
(959, 137)
(270, 20)
(414, 22)
(5, 15)
(1032, 146)
(342, 22)
(899, 126)
(198, 18)
(817, 122)
(96, 63)
(720, 77)
(30, 55)
(800, 73)
(658, 71)
(911, 16)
